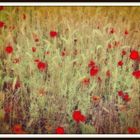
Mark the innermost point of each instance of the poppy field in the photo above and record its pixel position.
(69, 70)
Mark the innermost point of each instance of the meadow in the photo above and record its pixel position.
(69, 70)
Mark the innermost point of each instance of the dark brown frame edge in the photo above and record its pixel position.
(69, 1)
(45, 138)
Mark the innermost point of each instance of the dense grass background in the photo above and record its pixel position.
(46, 100)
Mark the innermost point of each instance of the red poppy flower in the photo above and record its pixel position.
(120, 63)
(86, 81)
(77, 116)
(36, 60)
(53, 34)
(33, 49)
(126, 97)
(2, 24)
(47, 53)
(132, 130)
(91, 64)
(36, 39)
(108, 74)
(42, 66)
(82, 118)
(112, 30)
(17, 129)
(123, 53)
(126, 32)
(94, 71)
(136, 74)
(1, 8)
(96, 98)
(109, 46)
(63, 53)
(9, 49)
(60, 130)
(99, 79)
(120, 93)
(134, 55)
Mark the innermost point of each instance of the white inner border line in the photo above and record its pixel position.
(70, 135)
(69, 3)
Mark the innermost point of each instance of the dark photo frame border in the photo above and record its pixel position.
(89, 1)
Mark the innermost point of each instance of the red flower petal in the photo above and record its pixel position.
(91, 64)
(109, 46)
(86, 81)
(1, 8)
(93, 71)
(42, 66)
(123, 53)
(17, 129)
(126, 97)
(76, 116)
(99, 79)
(126, 32)
(120, 63)
(36, 60)
(47, 53)
(9, 49)
(120, 93)
(36, 39)
(33, 49)
(112, 31)
(108, 74)
(60, 130)
(134, 55)
(132, 130)
(136, 74)
(82, 118)
(63, 53)
(2, 24)
(53, 34)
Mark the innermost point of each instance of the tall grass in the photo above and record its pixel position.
(47, 99)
